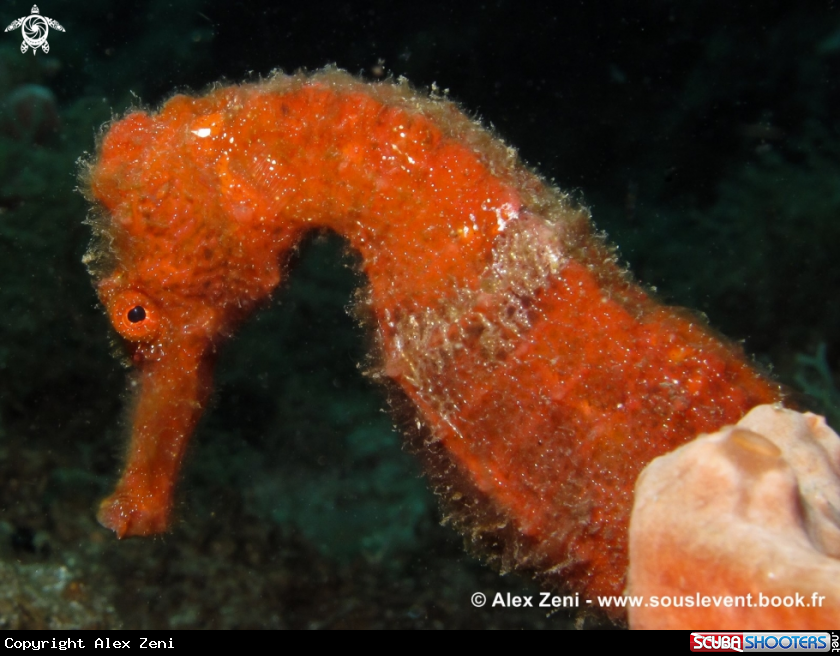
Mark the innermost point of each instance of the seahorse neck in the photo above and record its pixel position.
(422, 209)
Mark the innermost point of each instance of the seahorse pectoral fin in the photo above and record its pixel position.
(171, 397)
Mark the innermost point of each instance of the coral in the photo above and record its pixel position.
(748, 511)
(536, 377)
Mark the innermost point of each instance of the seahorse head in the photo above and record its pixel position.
(166, 273)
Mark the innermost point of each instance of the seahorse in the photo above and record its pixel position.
(536, 376)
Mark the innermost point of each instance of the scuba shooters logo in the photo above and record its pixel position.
(788, 641)
(35, 29)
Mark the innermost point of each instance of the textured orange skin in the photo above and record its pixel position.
(203, 203)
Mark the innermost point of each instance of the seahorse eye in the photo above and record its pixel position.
(136, 314)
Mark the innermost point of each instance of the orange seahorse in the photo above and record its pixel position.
(540, 378)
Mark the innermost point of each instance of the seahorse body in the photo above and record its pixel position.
(541, 378)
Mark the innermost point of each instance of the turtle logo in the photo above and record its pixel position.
(35, 29)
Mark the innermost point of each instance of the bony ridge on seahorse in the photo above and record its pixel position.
(540, 377)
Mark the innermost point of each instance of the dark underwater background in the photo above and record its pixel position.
(702, 135)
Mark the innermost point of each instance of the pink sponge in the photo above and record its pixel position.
(741, 529)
